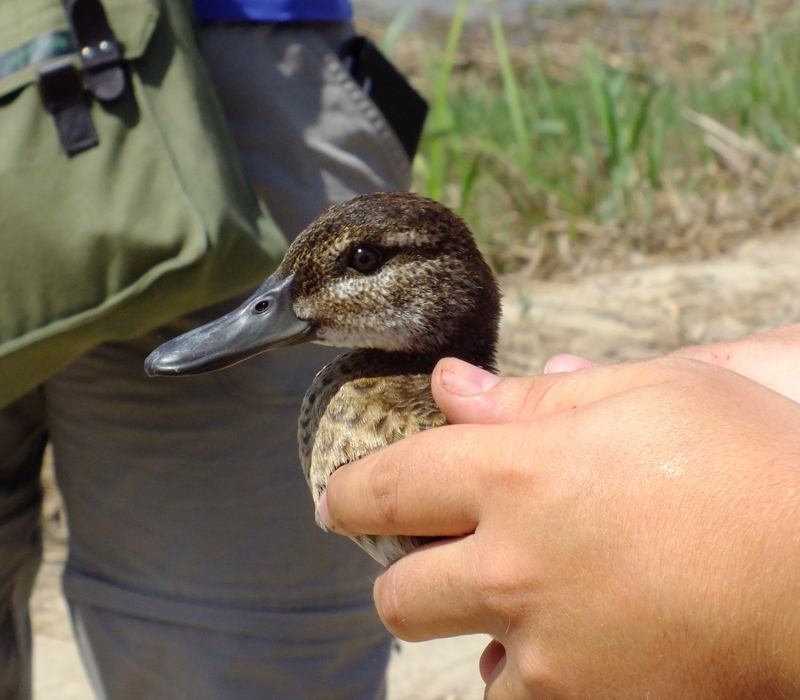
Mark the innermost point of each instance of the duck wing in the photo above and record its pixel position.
(349, 419)
(345, 418)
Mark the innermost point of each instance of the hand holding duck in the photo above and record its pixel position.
(622, 532)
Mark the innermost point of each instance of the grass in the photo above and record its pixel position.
(565, 141)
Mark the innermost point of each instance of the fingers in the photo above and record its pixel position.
(459, 586)
(450, 604)
(430, 593)
(492, 656)
(566, 363)
(468, 394)
(410, 487)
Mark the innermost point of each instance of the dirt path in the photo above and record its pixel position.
(651, 310)
(607, 318)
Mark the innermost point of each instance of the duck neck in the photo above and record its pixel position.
(481, 354)
(478, 349)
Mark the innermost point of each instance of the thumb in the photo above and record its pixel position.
(468, 394)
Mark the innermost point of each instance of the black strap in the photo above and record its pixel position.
(61, 88)
(100, 52)
(402, 106)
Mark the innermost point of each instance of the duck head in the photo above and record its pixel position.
(391, 271)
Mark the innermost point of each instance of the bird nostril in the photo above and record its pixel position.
(262, 306)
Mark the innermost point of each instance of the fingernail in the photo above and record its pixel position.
(493, 655)
(463, 379)
(566, 363)
(322, 510)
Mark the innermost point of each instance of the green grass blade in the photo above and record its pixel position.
(611, 119)
(440, 119)
(398, 24)
(512, 93)
(468, 176)
(604, 107)
(640, 122)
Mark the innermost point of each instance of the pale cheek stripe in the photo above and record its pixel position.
(394, 329)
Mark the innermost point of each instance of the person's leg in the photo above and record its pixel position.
(22, 441)
(196, 569)
(144, 658)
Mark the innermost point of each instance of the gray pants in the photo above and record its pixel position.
(195, 568)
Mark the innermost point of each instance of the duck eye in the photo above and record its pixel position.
(262, 306)
(365, 259)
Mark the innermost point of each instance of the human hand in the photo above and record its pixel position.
(626, 531)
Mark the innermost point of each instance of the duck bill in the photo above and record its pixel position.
(263, 322)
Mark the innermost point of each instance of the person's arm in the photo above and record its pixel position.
(623, 532)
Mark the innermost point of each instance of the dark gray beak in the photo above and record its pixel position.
(265, 321)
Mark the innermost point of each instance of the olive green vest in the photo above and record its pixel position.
(155, 221)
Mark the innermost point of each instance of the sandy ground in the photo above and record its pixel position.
(607, 318)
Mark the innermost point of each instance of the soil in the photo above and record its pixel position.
(608, 317)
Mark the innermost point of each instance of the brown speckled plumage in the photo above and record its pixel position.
(355, 406)
(433, 296)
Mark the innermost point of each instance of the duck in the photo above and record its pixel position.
(395, 277)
